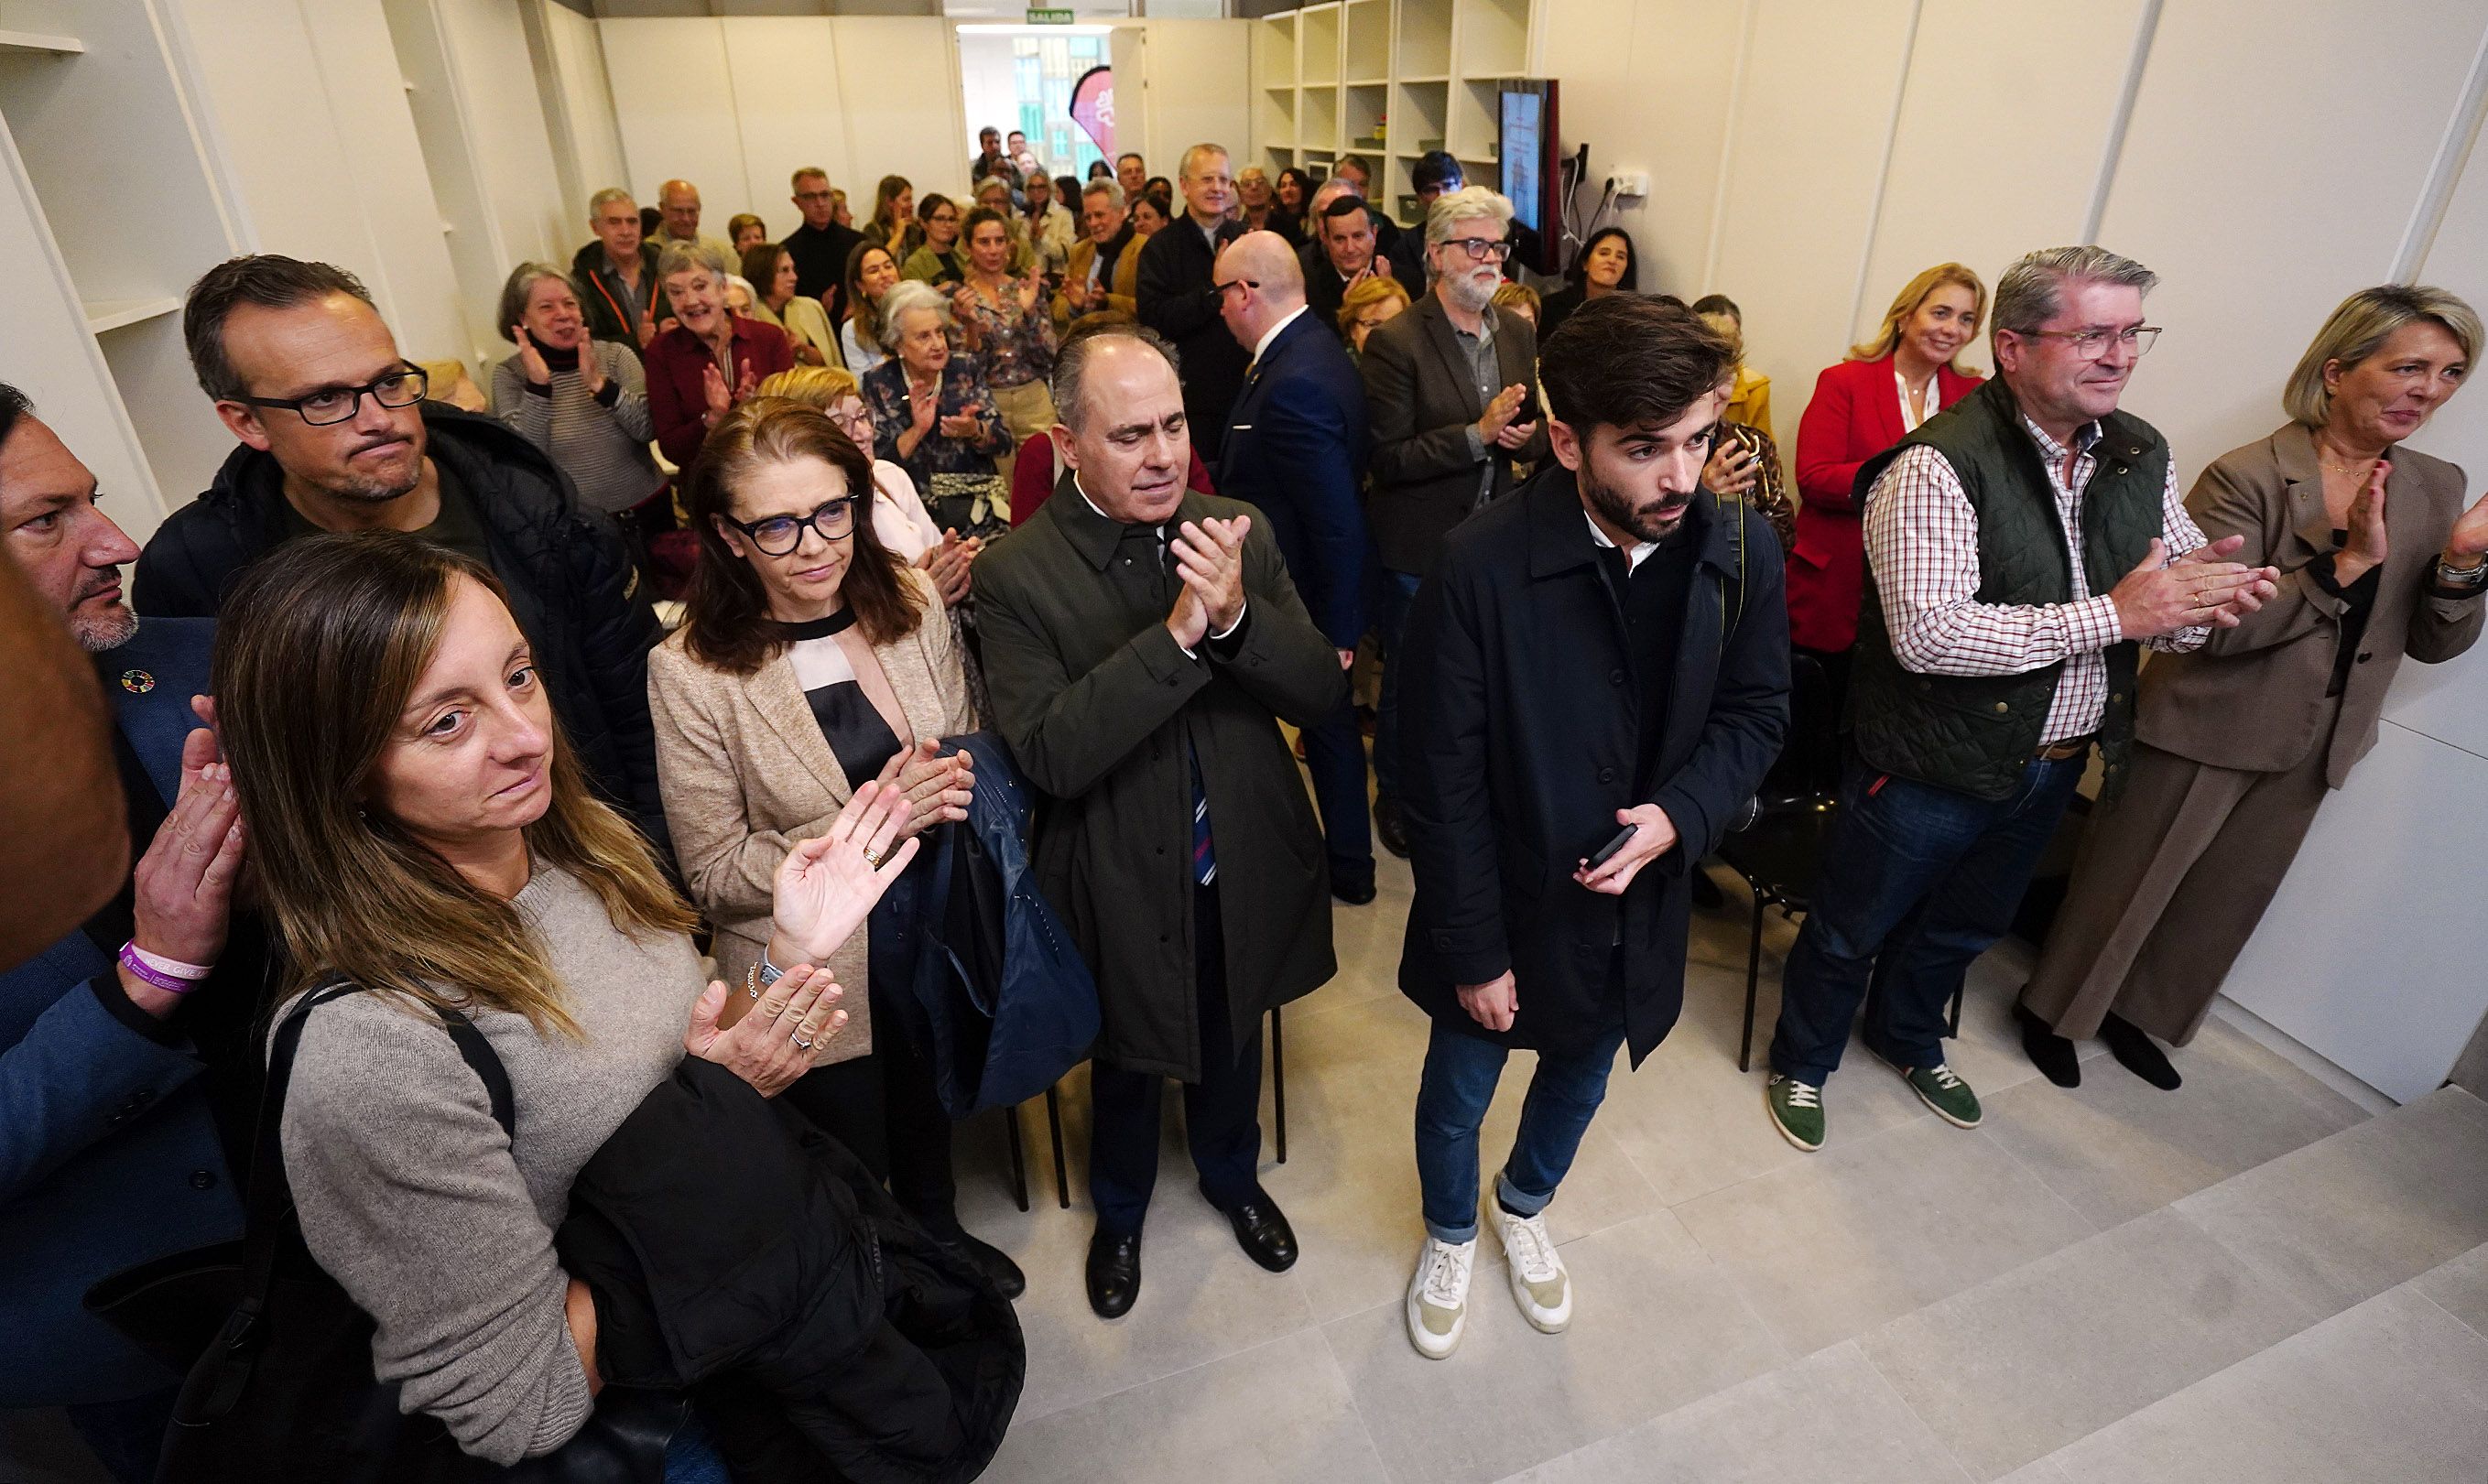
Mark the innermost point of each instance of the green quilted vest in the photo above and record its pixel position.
(1976, 733)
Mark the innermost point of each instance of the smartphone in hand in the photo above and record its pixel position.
(1607, 852)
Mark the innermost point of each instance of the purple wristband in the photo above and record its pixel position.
(170, 984)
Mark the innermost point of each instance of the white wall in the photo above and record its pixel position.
(1807, 156)
(578, 109)
(1188, 82)
(735, 104)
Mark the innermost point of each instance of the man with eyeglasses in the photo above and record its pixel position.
(336, 437)
(820, 245)
(1451, 395)
(2021, 548)
(1180, 299)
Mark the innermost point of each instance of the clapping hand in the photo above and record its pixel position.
(1500, 412)
(592, 376)
(2469, 543)
(1210, 560)
(2367, 546)
(948, 563)
(181, 889)
(713, 391)
(938, 788)
(531, 361)
(783, 1035)
(2201, 589)
(827, 885)
(964, 424)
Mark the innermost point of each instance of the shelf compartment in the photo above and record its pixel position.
(1273, 51)
(1317, 119)
(1495, 37)
(1318, 45)
(103, 315)
(1365, 125)
(1369, 41)
(39, 45)
(1424, 39)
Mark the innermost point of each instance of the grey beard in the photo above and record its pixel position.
(1467, 294)
(105, 631)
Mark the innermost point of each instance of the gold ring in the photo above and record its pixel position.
(872, 857)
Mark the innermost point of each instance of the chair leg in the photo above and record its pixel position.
(1955, 1032)
(1018, 1156)
(1062, 1170)
(1279, 1080)
(1753, 977)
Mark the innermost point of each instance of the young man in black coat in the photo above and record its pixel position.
(336, 437)
(1596, 680)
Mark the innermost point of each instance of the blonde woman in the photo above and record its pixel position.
(2240, 742)
(1003, 316)
(1750, 403)
(812, 661)
(1370, 305)
(1907, 372)
(428, 849)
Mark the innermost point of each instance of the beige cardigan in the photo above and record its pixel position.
(745, 773)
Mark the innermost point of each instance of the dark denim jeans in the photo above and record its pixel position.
(1461, 1071)
(1917, 882)
(1396, 591)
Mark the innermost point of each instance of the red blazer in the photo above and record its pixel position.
(1855, 415)
(676, 403)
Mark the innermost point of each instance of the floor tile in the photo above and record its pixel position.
(2348, 1216)
(1791, 1423)
(1277, 1413)
(1871, 1229)
(2394, 1389)
(1656, 1326)
(2459, 1287)
(2116, 1146)
(2026, 1362)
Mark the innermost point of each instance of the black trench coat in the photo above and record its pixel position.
(1521, 739)
(1097, 703)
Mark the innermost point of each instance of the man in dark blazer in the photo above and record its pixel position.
(1606, 650)
(109, 1148)
(1141, 643)
(1295, 451)
(1178, 294)
(1452, 398)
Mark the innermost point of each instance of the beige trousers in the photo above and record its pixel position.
(2166, 889)
(1026, 409)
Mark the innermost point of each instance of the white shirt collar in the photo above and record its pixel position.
(1261, 347)
(1634, 555)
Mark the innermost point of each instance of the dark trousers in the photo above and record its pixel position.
(1396, 595)
(1221, 1113)
(1917, 880)
(883, 1107)
(1334, 756)
(125, 1436)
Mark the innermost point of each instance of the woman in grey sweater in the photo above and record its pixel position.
(585, 402)
(424, 831)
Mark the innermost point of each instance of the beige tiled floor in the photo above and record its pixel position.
(2098, 1284)
(2246, 1279)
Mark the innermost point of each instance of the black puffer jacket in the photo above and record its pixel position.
(572, 587)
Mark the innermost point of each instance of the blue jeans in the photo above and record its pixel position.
(1459, 1081)
(691, 1456)
(1398, 590)
(1917, 882)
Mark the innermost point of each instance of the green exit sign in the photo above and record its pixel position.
(1049, 18)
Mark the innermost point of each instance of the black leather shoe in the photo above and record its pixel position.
(1113, 1272)
(991, 1261)
(1262, 1232)
(2130, 1045)
(2057, 1058)
(1354, 895)
(1390, 826)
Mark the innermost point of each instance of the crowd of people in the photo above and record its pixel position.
(1093, 490)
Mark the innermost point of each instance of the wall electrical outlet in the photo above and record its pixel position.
(1633, 182)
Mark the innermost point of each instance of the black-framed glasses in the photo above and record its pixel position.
(1482, 249)
(338, 404)
(778, 535)
(1235, 283)
(2091, 344)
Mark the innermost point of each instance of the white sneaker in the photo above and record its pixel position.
(1438, 1296)
(1539, 1285)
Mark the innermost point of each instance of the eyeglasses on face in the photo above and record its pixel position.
(1482, 249)
(1234, 282)
(338, 404)
(778, 535)
(2091, 344)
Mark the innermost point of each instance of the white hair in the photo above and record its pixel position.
(1466, 204)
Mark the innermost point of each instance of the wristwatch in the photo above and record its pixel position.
(2450, 575)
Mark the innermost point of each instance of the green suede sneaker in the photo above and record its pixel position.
(1941, 1088)
(1796, 1110)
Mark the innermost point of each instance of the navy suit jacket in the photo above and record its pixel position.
(1295, 451)
(108, 1154)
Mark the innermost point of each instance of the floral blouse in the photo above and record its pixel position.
(1018, 344)
(964, 391)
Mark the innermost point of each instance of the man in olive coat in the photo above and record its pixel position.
(1141, 644)
(1606, 650)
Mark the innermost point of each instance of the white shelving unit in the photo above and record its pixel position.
(1388, 79)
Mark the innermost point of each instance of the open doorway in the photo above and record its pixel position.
(1021, 77)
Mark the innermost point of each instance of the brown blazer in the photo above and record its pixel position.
(1421, 401)
(746, 773)
(1122, 291)
(2254, 696)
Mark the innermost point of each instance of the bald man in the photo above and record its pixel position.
(1296, 450)
(678, 205)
